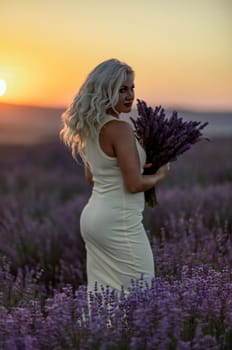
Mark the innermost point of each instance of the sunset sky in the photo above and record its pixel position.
(181, 50)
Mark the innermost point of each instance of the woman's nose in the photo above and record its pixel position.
(130, 94)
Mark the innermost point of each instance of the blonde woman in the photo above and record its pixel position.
(117, 246)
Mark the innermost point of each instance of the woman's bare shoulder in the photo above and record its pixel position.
(120, 128)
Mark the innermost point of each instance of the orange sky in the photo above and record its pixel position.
(181, 50)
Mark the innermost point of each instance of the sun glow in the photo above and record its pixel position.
(2, 87)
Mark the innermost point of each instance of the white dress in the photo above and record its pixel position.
(117, 246)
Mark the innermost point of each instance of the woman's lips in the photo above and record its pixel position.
(128, 104)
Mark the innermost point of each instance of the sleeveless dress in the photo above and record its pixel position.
(117, 245)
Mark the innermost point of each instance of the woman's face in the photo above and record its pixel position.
(126, 96)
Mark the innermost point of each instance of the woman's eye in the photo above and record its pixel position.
(122, 90)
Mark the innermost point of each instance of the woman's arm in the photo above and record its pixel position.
(88, 174)
(123, 142)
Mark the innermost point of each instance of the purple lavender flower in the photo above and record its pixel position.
(163, 139)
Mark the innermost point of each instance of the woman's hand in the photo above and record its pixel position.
(163, 170)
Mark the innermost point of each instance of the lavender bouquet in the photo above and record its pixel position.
(163, 139)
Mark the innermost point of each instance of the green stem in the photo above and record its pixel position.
(150, 197)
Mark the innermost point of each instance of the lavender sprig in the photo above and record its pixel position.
(163, 139)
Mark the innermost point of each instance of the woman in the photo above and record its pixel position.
(118, 249)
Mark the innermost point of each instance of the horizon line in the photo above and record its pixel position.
(182, 108)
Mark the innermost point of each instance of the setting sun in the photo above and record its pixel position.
(2, 87)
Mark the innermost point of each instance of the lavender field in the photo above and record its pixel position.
(43, 301)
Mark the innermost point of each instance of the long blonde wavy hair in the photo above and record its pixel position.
(99, 92)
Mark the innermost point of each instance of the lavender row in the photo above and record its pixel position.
(193, 312)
